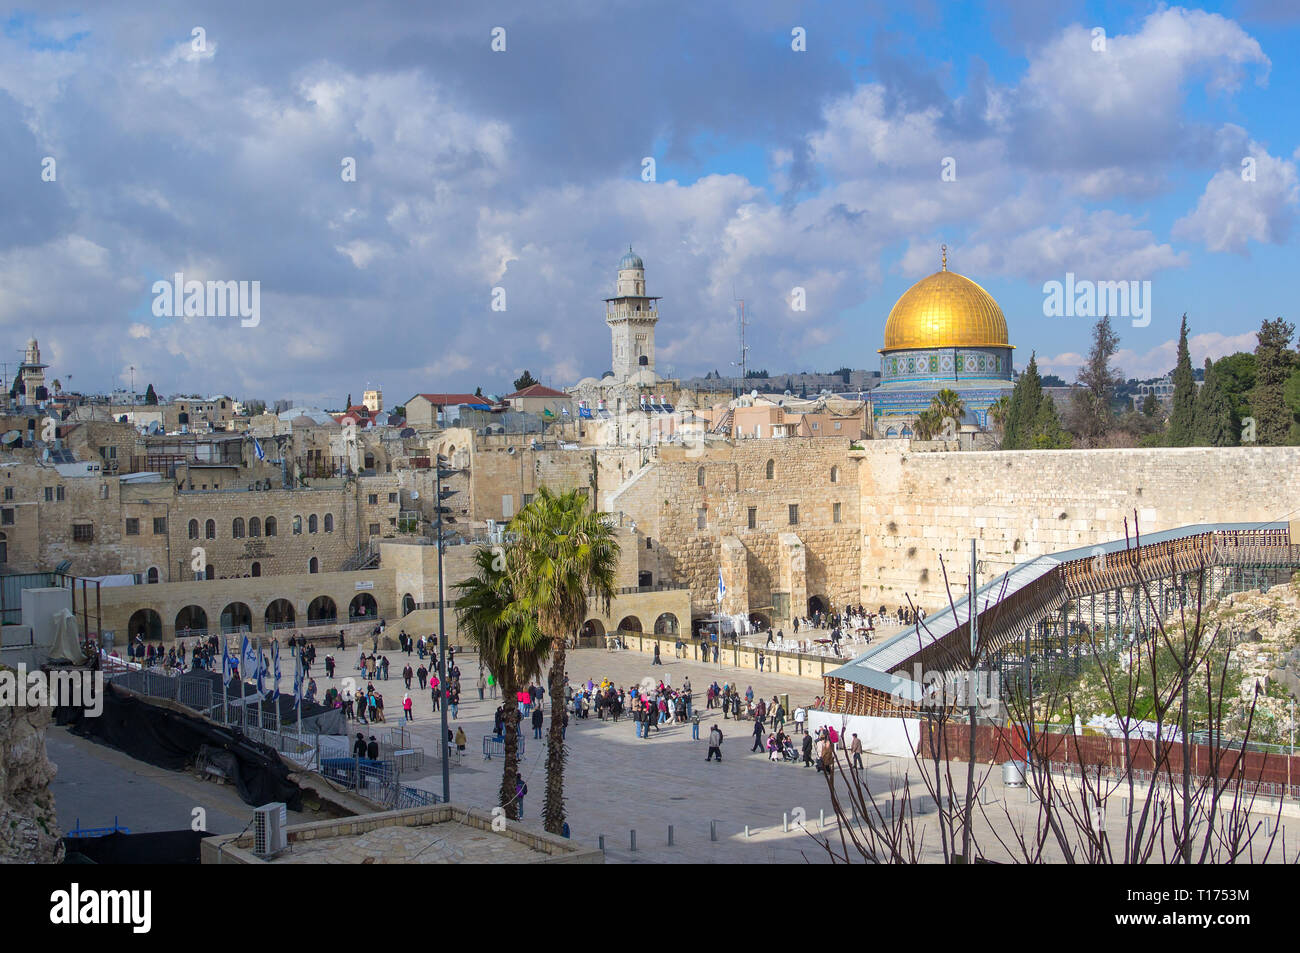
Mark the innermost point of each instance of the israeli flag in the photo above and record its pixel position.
(260, 675)
(257, 448)
(247, 660)
(722, 586)
(275, 669)
(227, 660)
(297, 684)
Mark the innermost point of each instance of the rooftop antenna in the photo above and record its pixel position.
(741, 324)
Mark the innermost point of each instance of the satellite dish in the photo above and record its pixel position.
(753, 393)
(415, 494)
(11, 436)
(788, 394)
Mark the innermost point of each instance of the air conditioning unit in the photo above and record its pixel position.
(270, 823)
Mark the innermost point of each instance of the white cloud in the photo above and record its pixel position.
(1232, 212)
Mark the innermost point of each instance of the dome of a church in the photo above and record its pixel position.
(945, 310)
(631, 260)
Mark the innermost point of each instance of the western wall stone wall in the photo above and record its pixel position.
(720, 486)
(1021, 504)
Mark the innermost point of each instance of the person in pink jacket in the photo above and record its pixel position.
(407, 705)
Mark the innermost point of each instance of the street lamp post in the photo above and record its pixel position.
(442, 633)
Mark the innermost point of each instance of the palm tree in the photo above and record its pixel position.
(928, 423)
(949, 404)
(509, 643)
(563, 554)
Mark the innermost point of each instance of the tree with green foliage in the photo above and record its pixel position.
(1031, 421)
(1182, 416)
(1274, 362)
(1150, 405)
(525, 380)
(478, 391)
(564, 556)
(1215, 426)
(1092, 416)
(510, 645)
(150, 397)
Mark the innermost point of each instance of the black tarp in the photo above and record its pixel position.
(163, 847)
(169, 739)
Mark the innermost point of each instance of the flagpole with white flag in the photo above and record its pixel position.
(225, 680)
(259, 681)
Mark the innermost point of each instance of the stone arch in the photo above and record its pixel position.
(151, 576)
(193, 619)
(666, 624)
(272, 527)
(329, 528)
(255, 570)
(630, 623)
(362, 607)
(279, 612)
(237, 528)
(146, 622)
(770, 470)
(893, 432)
(699, 479)
(818, 604)
(194, 529)
(313, 565)
(236, 616)
(322, 609)
(408, 604)
(254, 526)
(759, 621)
(313, 524)
(210, 530)
(835, 478)
(593, 629)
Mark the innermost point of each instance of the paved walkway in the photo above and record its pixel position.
(614, 781)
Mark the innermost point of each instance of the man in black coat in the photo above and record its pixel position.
(359, 746)
(807, 750)
(758, 735)
(372, 749)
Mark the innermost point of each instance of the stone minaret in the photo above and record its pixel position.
(632, 315)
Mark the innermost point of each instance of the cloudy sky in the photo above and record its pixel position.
(523, 169)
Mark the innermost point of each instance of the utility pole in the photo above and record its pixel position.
(971, 603)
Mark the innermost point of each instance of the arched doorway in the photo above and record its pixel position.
(816, 604)
(192, 620)
(645, 579)
(145, 622)
(236, 617)
(593, 630)
(408, 604)
(322, 609)
(759, 622)
(280, 613)
(362, 607)
(666, 624)
(629, 623)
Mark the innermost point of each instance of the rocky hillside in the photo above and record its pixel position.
(28, 827)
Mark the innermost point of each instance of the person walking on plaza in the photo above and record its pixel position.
(715, 744)
(537, 723)
(856, 750)
(406, 707)
(807, 750)
(657, 660)
(482, 684)
(695, 725)
(422, 674)
(799, 716)
(758, 735)
(407, 675)
(521, 789)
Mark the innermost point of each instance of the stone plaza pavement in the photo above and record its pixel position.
(616, 782)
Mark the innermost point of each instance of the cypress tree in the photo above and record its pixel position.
(1022, 411)
(1274, 362)
(1150, 405)
(1214, 422)
(1182, 418)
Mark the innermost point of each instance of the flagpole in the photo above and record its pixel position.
(225, 676)
(298, 699)
(258, 685)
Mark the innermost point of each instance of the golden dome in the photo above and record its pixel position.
(945, 310)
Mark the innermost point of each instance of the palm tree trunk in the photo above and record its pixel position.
(510, 729)
(554, 807)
